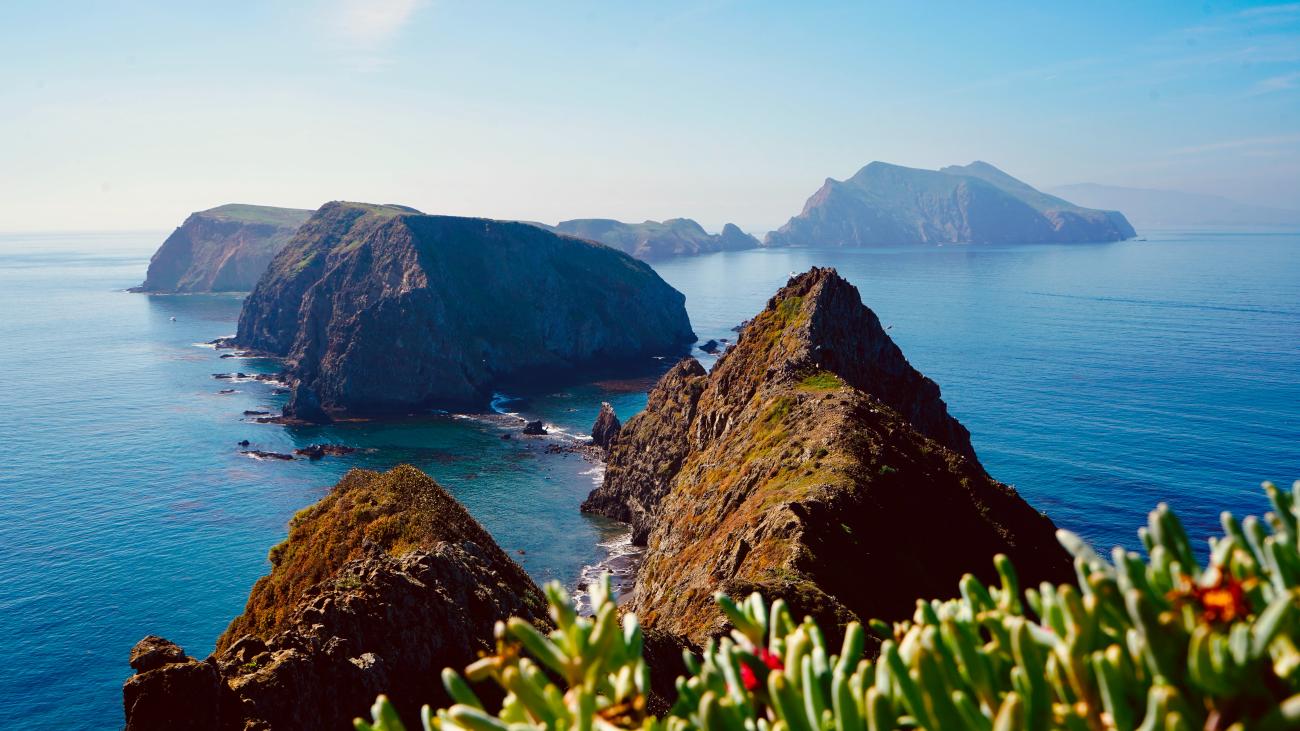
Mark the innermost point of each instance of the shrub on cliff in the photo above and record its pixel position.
(1159, 643)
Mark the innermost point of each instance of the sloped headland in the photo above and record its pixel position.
(222, 249)
(384, 310)
(890, 205)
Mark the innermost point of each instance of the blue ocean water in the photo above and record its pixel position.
(1097, 379)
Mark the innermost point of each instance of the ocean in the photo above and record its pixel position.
(1097, 379)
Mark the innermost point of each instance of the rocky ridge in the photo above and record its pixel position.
(379, 586)
(814, 464)
(222, 249)
(382, 310)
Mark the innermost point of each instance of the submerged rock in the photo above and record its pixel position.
(379, 586)
(606, 428)
(259, 454)
(319, 451)
(813, 464)
(384, 310)
(223, 249)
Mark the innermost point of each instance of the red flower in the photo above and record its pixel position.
(747, 678)
(770, 659)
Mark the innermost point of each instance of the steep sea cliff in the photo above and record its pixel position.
(222, 249)
(383, 310)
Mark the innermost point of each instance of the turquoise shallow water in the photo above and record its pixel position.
(1097, 379)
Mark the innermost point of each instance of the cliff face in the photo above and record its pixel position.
(223, 249)
(885, 205)
(379, 586)
(380, 309)
(653, 240)
(815, 464)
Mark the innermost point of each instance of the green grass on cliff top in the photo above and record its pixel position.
(244, 213)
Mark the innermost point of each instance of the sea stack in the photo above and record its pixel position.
(606, 428)
(891, 205)
(222, 249)
(383, 310)
(813, 464)
(379, 586)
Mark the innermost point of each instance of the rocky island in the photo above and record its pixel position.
(384, 310)
(651, 240)
(379, 586)
(814, 464)
(887, 205)
(222, 249)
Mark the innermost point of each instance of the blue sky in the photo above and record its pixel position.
(132, 114)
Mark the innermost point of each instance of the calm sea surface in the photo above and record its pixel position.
(1097, 379)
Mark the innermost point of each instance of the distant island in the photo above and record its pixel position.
(885, 205)
(381, 309)
(651, 240)
(222, 249)
(1148, 207)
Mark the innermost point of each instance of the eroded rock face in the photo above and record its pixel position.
(379, 587)
(814, 464)
(223, 249)
(889, 205)
(606, 428)
(380, 309)
(649, 451)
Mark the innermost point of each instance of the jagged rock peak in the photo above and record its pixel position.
(817, 322)
(813, 463)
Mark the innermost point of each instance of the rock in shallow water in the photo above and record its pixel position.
(606, 428)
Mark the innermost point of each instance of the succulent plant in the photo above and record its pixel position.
(1159, 643)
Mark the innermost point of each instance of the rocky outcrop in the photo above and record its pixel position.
(379, 586)
(222, 249)
(380, 309)
(815, 464)
(650, 451)
(606, 428)
(652, 240)
(888, 205)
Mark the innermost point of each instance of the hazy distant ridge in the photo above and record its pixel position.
(884, 204)
(1149, 207)
(651, 240)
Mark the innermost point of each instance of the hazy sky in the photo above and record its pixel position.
(132, 114)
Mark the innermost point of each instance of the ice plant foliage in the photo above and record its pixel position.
(1139, 644)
